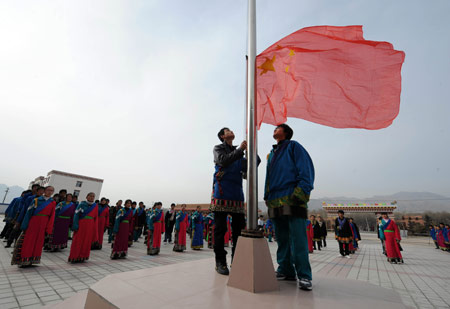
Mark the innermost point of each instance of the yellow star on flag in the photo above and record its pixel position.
(291, 53)
(267, 65)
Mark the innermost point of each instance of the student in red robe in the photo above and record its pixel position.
(310, 236)
(85, 228)
(392, 239)
(121, 231)
(181, 225)
(38, 221)
(155, 224)
(103, 223)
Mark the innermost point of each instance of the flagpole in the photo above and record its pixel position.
(246, 274)
(252, 175)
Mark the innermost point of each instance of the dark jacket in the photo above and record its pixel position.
(345, 231)
(317, 230)
(167, 218)
(230, 165)
(112, 215)
(323, 228)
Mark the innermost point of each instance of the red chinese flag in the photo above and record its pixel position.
(331, 76)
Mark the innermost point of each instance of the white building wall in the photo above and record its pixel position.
(69, 183)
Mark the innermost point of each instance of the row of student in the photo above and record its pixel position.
(47, 224)
(441, 236)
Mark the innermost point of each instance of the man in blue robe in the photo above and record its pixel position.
(289, 181)
(228, 196)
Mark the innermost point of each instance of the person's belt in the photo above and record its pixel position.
(389, 231)
(125, 221)
(87, 217)
(41, 215)
(63, 217)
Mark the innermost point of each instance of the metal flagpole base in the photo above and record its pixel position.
(252, 233)
(252, 269)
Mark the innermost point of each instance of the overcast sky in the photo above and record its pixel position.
(134, 92)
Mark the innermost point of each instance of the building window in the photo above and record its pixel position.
(76, 193)
(79, 183)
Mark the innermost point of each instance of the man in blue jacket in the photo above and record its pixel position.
(289, 181)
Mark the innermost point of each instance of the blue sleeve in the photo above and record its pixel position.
(23, 208)
(117, 222)
(10, 207)
(27, 214)
(305, 168)
(76, 219)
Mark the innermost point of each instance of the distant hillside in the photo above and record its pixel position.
(14, 191)
(406, 201)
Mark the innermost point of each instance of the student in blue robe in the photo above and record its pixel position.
(197, 229)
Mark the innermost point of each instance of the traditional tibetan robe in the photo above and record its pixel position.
(37, 221)
(197, 231)
(356, 237)
(181, 225)
(121, 232)
(63, 220)
(155, 224)
(103, 223)
(133, 222)
(85, 228)
(392, 238)
(210, 226)
(446, 233)
(268, 229)
(228, 233)
(310, 236)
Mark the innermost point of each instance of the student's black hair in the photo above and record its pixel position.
(62, 190)
(222, 132)
(43, 188)
(384, 213)
(287, 130)
(34, 186)
(340, 211)
(173, 204)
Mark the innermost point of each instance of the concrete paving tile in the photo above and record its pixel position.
(7, 300)
(5, 295)
(10, 305)
(32, 301)
(46, 299)
(46, 293)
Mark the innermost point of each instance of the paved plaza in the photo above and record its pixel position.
(422, 282)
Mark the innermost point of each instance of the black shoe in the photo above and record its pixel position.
(281, 276)
(222, 269)
(8, 246)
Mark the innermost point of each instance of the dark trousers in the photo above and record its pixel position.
(324, 240)
(344, 249)
(15, 233)
(110, 233)
(319, 244)
(237, 224)
(168, 234)
(6, 228)
(436, 243)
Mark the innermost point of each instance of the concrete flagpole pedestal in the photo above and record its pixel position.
(252, 269)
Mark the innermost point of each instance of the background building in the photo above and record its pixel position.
(78, 185)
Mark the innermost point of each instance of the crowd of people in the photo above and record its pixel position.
(440, 234)
(40, 220)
